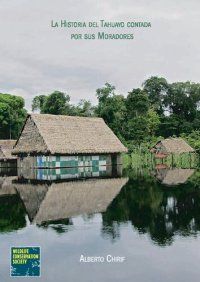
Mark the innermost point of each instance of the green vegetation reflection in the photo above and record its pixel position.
(12, 214)
(155, 209)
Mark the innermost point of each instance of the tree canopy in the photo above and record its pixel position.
(12, 115)
(157, 108)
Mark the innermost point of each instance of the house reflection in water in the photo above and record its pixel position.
(60, 200)
(141, 201)
(172, 176)
(6, 187)
(70, 173)
(57, 194)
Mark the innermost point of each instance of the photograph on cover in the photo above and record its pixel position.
(99, 140)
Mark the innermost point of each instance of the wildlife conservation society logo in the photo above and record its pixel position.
(25, 261)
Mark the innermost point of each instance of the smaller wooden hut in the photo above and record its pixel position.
(168, 146)
(6, 147)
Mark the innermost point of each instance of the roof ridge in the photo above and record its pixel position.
(64, 116)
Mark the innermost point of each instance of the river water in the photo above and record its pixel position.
(140, 226)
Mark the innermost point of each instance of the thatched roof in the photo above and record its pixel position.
(6, 147)
(174, 176)
(67, 199)
(58, 134)
(172, 146)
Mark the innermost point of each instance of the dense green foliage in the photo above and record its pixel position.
(193, 139)
(12, 214)
(156, 110)
(112, 109)
(143, 159)
(12, 116)
(58, 103)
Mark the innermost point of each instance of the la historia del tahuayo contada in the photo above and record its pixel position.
(101, 23)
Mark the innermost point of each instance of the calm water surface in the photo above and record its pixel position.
(152, 218)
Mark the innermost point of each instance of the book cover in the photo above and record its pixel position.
(99, 140)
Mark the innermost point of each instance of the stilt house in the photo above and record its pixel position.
(171, 146)
(66, 141)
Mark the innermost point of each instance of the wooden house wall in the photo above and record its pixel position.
(68, 161)
(71, 161)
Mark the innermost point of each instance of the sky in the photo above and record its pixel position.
(38, 59)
